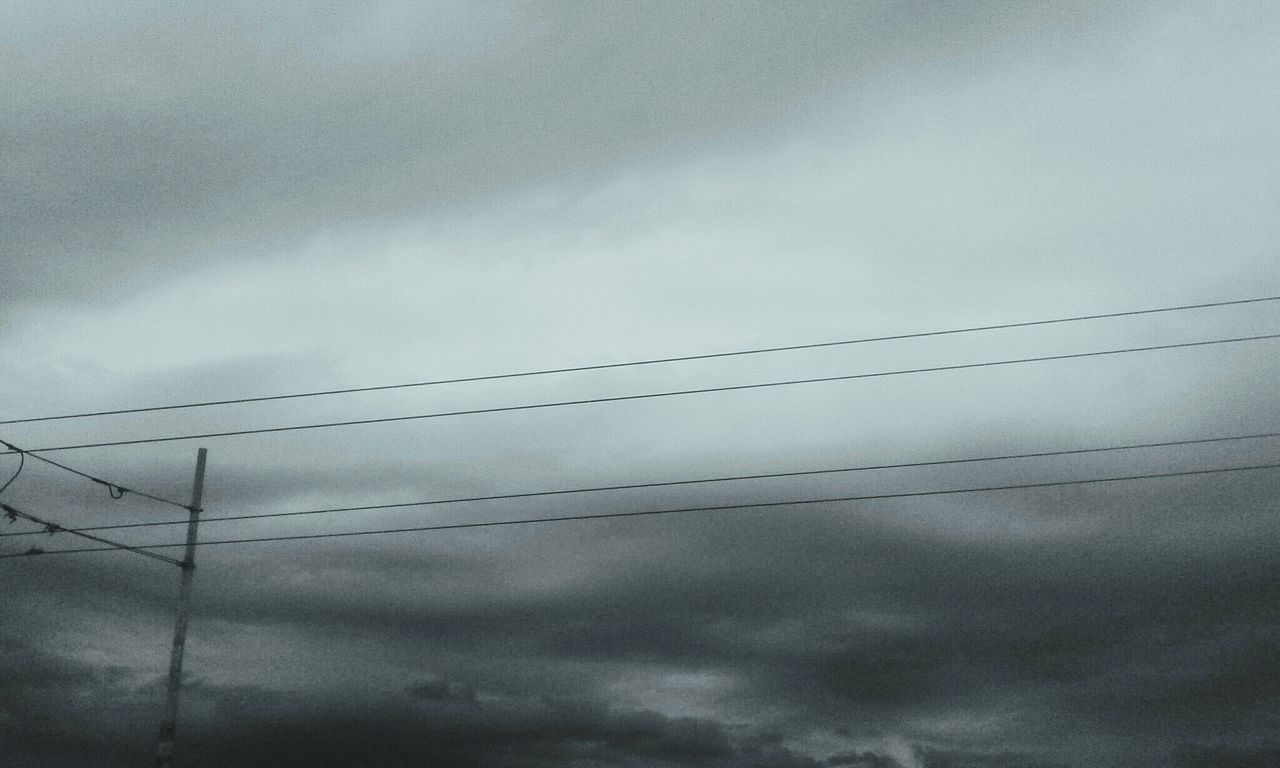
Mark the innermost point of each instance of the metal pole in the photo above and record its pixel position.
(164, 752)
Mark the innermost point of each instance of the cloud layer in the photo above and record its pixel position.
(226, 202)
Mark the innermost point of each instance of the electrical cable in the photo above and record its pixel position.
(115, 490)
(52, 528)
(675, 511)
(670, 483)
(653, 395)
(652, 361)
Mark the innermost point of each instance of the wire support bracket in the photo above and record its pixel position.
(13, 514)
(115, 490)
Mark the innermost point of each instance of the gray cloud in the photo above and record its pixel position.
(171, 139)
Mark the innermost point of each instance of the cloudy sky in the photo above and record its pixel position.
(240, 199)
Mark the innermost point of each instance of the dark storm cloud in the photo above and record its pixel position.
(442, 690)
(250, 726)
(528, 734)
(936, 758)
(163, 140)
(863, 760)
(56, 710)
(1207, 756)
(857, 618)
(860, 618)
(24, 665)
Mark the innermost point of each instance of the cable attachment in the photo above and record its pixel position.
(34, 551)
(10, 513)
(116, 491)
(52, 528)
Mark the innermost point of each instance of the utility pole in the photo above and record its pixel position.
(164, 752)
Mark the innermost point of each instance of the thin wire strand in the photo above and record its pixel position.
(652, 361)
(653, 395)
(682, 510)
(52, 528)
(115, 490)
(669, 483)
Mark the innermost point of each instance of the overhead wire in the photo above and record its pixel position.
(672, 483)
(22, 462)
(650, 361)
(115, 490)
(675, 511)
(654, 395)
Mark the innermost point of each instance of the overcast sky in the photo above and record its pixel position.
(244, 199)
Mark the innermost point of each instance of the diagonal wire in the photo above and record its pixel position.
(695, 481)
(651, 361)
(52, 528)
(115, 489)
(675, 393)
(684, 510)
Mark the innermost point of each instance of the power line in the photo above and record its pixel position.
(653, 395)
(52, 528)
(114, 489)
(669, 483)
(680, 510)
(636, 363)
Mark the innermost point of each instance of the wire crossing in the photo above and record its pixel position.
(115, 490)
(651, 361)
(676, 511)
(674, 393)
(671, 483)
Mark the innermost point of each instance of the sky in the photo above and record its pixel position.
(234, 200)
